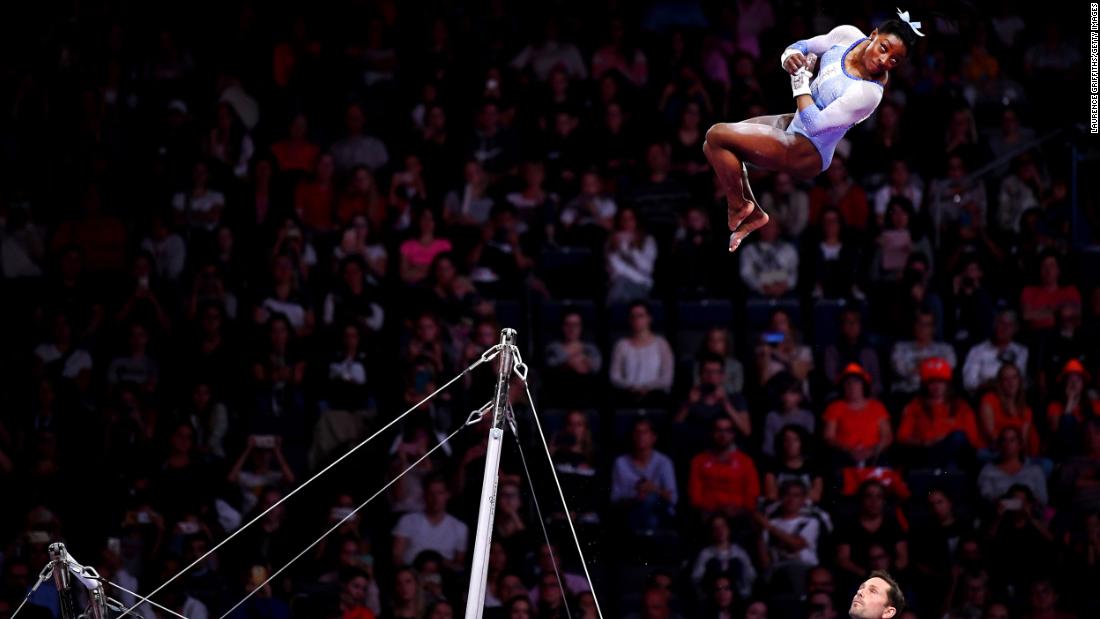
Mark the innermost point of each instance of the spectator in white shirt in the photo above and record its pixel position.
(549, 53)
(631, 256)
(431, 529)
(725, 557)
(985, 360)
(769, 267)
(791, 535)
(200, 207)
(906, 356)
(642, 363)
(167, 248)
(358, 148)
(22, 244)
(60, 357)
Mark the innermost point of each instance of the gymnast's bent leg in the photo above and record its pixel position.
(763, 142)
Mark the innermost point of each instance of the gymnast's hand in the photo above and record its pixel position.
(794, 62)
(797, 61)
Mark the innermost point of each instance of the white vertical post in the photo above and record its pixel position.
(479, 568)
(60, 559)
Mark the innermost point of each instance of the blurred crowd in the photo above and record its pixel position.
(237, 238)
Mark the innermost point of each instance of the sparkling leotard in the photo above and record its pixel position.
(841, 100)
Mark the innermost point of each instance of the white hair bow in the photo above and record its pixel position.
(915, 25)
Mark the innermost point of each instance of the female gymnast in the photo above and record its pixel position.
(845, 92)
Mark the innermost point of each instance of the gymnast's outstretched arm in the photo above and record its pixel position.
(841, 35)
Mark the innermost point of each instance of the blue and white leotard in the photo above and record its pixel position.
(841, 100)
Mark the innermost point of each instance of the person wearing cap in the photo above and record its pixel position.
(1073, 406)
(985, 359)
(857, 427)
(938, 427)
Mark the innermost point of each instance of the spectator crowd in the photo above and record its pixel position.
(238, 238)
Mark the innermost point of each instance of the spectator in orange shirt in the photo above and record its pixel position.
(1039, 302)
(1068, 412)
(723, 479)
(296, 153)
(938, 427)
(1006, 406)
(857, 427)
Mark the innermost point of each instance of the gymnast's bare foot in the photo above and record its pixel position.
(756, 219)
(738, 210)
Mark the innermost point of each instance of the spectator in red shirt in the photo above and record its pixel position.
(841, 193)
(938, 427)
(314, 199)
(101, 237)
(723, 479)
(1039, 302)
(857, 427)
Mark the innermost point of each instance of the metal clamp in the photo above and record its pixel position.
(489, 354)
(46, 573)
(475, 416)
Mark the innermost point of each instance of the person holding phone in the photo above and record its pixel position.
(780, 350)
(709, 400)
(643, 482)
(259, 453)
(1021, 545)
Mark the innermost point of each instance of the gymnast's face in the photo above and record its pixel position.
(884, 52)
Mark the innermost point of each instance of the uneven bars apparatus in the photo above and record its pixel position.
(479, 568)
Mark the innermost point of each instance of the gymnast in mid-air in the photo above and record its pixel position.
(853, 69)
